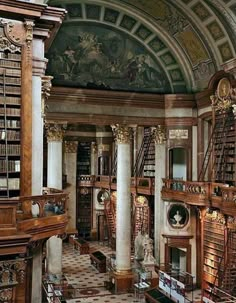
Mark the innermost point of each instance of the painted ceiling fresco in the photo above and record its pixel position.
(171, 46)
(95, 56)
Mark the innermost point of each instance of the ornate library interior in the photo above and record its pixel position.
(117, 151)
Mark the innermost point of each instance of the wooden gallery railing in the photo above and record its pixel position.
(40, 216)
(207, 194)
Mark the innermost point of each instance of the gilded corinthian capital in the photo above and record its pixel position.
(159, 134)
(71, 147)
(55, 131)
(122, 133)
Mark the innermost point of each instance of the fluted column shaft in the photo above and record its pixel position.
(55, 134)
(123, 207)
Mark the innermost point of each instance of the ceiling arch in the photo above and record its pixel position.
(186, 38)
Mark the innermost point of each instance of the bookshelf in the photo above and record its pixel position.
(83, 158)
(10, 122)
(149, 155)
(224, 148)
(214, 240)
(84, 212)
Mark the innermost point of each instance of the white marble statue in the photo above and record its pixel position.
(138, 246)
(148, 250)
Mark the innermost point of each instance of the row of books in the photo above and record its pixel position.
(10, 63)
(10, 111)
(10, 90)
(10, 56)
(10, 80)
(12, 149)
(10, 100)
(10, 123)
(10, 72)
(13, 166)
(9, 135)
(11, 183)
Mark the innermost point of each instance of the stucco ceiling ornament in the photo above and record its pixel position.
(159, 134)
(122, 133)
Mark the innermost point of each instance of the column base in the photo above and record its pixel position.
(123, 281)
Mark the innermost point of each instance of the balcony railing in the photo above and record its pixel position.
(40, 216)
(207, 194)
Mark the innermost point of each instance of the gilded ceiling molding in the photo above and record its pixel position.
(159, 134)
(122, 133)
(70, 147)
(55, 131)
(46, 88)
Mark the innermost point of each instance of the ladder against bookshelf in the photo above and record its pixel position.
(10, 119)
(149, 154)
(224, 148)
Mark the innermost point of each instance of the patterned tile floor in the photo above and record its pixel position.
(87, 283)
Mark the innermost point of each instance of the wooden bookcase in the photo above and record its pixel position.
(10, 122)
(84, 212)
(149, 154)
(214, 240)
(141, 218)
(224, 148)
(83, 158)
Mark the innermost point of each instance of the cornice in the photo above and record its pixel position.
(103, 119)
(103, 97)
(130, 99)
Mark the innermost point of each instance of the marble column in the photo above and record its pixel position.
(160, 172)
(55, 134)
(38, 95)
(37, 274)
(70, 169)
(123, 211)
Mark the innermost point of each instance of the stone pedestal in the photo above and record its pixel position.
(123, 282)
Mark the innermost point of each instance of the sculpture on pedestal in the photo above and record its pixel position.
(138, 246)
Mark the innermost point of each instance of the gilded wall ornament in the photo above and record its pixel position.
(55, 131)
(222, 99)
(159, 134)
(46, 88)
(122, 133)
(94, 147)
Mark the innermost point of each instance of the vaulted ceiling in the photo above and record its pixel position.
(162, 46)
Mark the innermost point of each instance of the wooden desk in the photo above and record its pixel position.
(154, 295)
(98, 259)
(81, 245)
